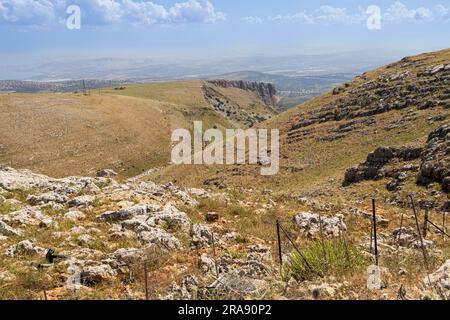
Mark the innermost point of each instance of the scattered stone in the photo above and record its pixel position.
(202, 193)
(85, 240)
(106, 173)
(232, 237)
(47, 198)
(407, 237)
(93, 275)
(78, 230)
(27, 216)
(206, 264)
(201, 235)
(125, 258)
(188, 290)
(82, 201)
(84, 254)
(25, 247)
(381, 221)
(74, 216)
(170, 218)
(125, 214)
(161, 238)
(234, 285)
(440, 279)
(309, 224)
(7, 231)
(212, 216)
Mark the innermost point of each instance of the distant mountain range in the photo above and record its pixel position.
(151, 69)
(297, 78)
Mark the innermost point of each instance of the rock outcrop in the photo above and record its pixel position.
(435, 165)
(373, 168)
(266, 91)
(261, 108)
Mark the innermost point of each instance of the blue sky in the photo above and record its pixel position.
(219, 27)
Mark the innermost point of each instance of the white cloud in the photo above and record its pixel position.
(323, 15)
(136, 12)
(146, 13)
(395, 13)
(195, 11)
(443, 13)
(336, 15)
(252, 20)
(296, 17)
(398, 12)
(26, 11)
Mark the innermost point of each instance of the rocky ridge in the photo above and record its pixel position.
(356, 107)
(429, 164)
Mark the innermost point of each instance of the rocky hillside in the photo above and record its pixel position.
(396, 106)
(210, 231)
(428, 166)
(92, 238)
(265, 91)
(245, 103)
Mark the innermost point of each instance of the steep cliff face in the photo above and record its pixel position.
(266, 91)
(244, 103)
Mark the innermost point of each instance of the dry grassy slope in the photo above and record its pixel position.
(69, 134)
(309, 163)
(189, 98)
(126, 130)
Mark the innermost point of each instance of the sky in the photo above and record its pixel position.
(218, 28)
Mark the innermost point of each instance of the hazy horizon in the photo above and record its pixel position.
(39, 33)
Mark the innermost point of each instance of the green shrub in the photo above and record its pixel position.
(339, 259)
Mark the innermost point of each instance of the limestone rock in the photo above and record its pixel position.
(93, 275)
(159, 237)
(235, 285)
(106, 173)
(7, 230)
(125, 214)
(309, 224)
(46, 198)
(25, 247)
(201, 235)
(82, 201)
(407, 237)
(74, 216)
(441, 279)
(27, 216)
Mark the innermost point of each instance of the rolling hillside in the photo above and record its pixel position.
(384, 136)
(125, 128)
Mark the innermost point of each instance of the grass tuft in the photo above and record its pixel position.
(340, 259)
